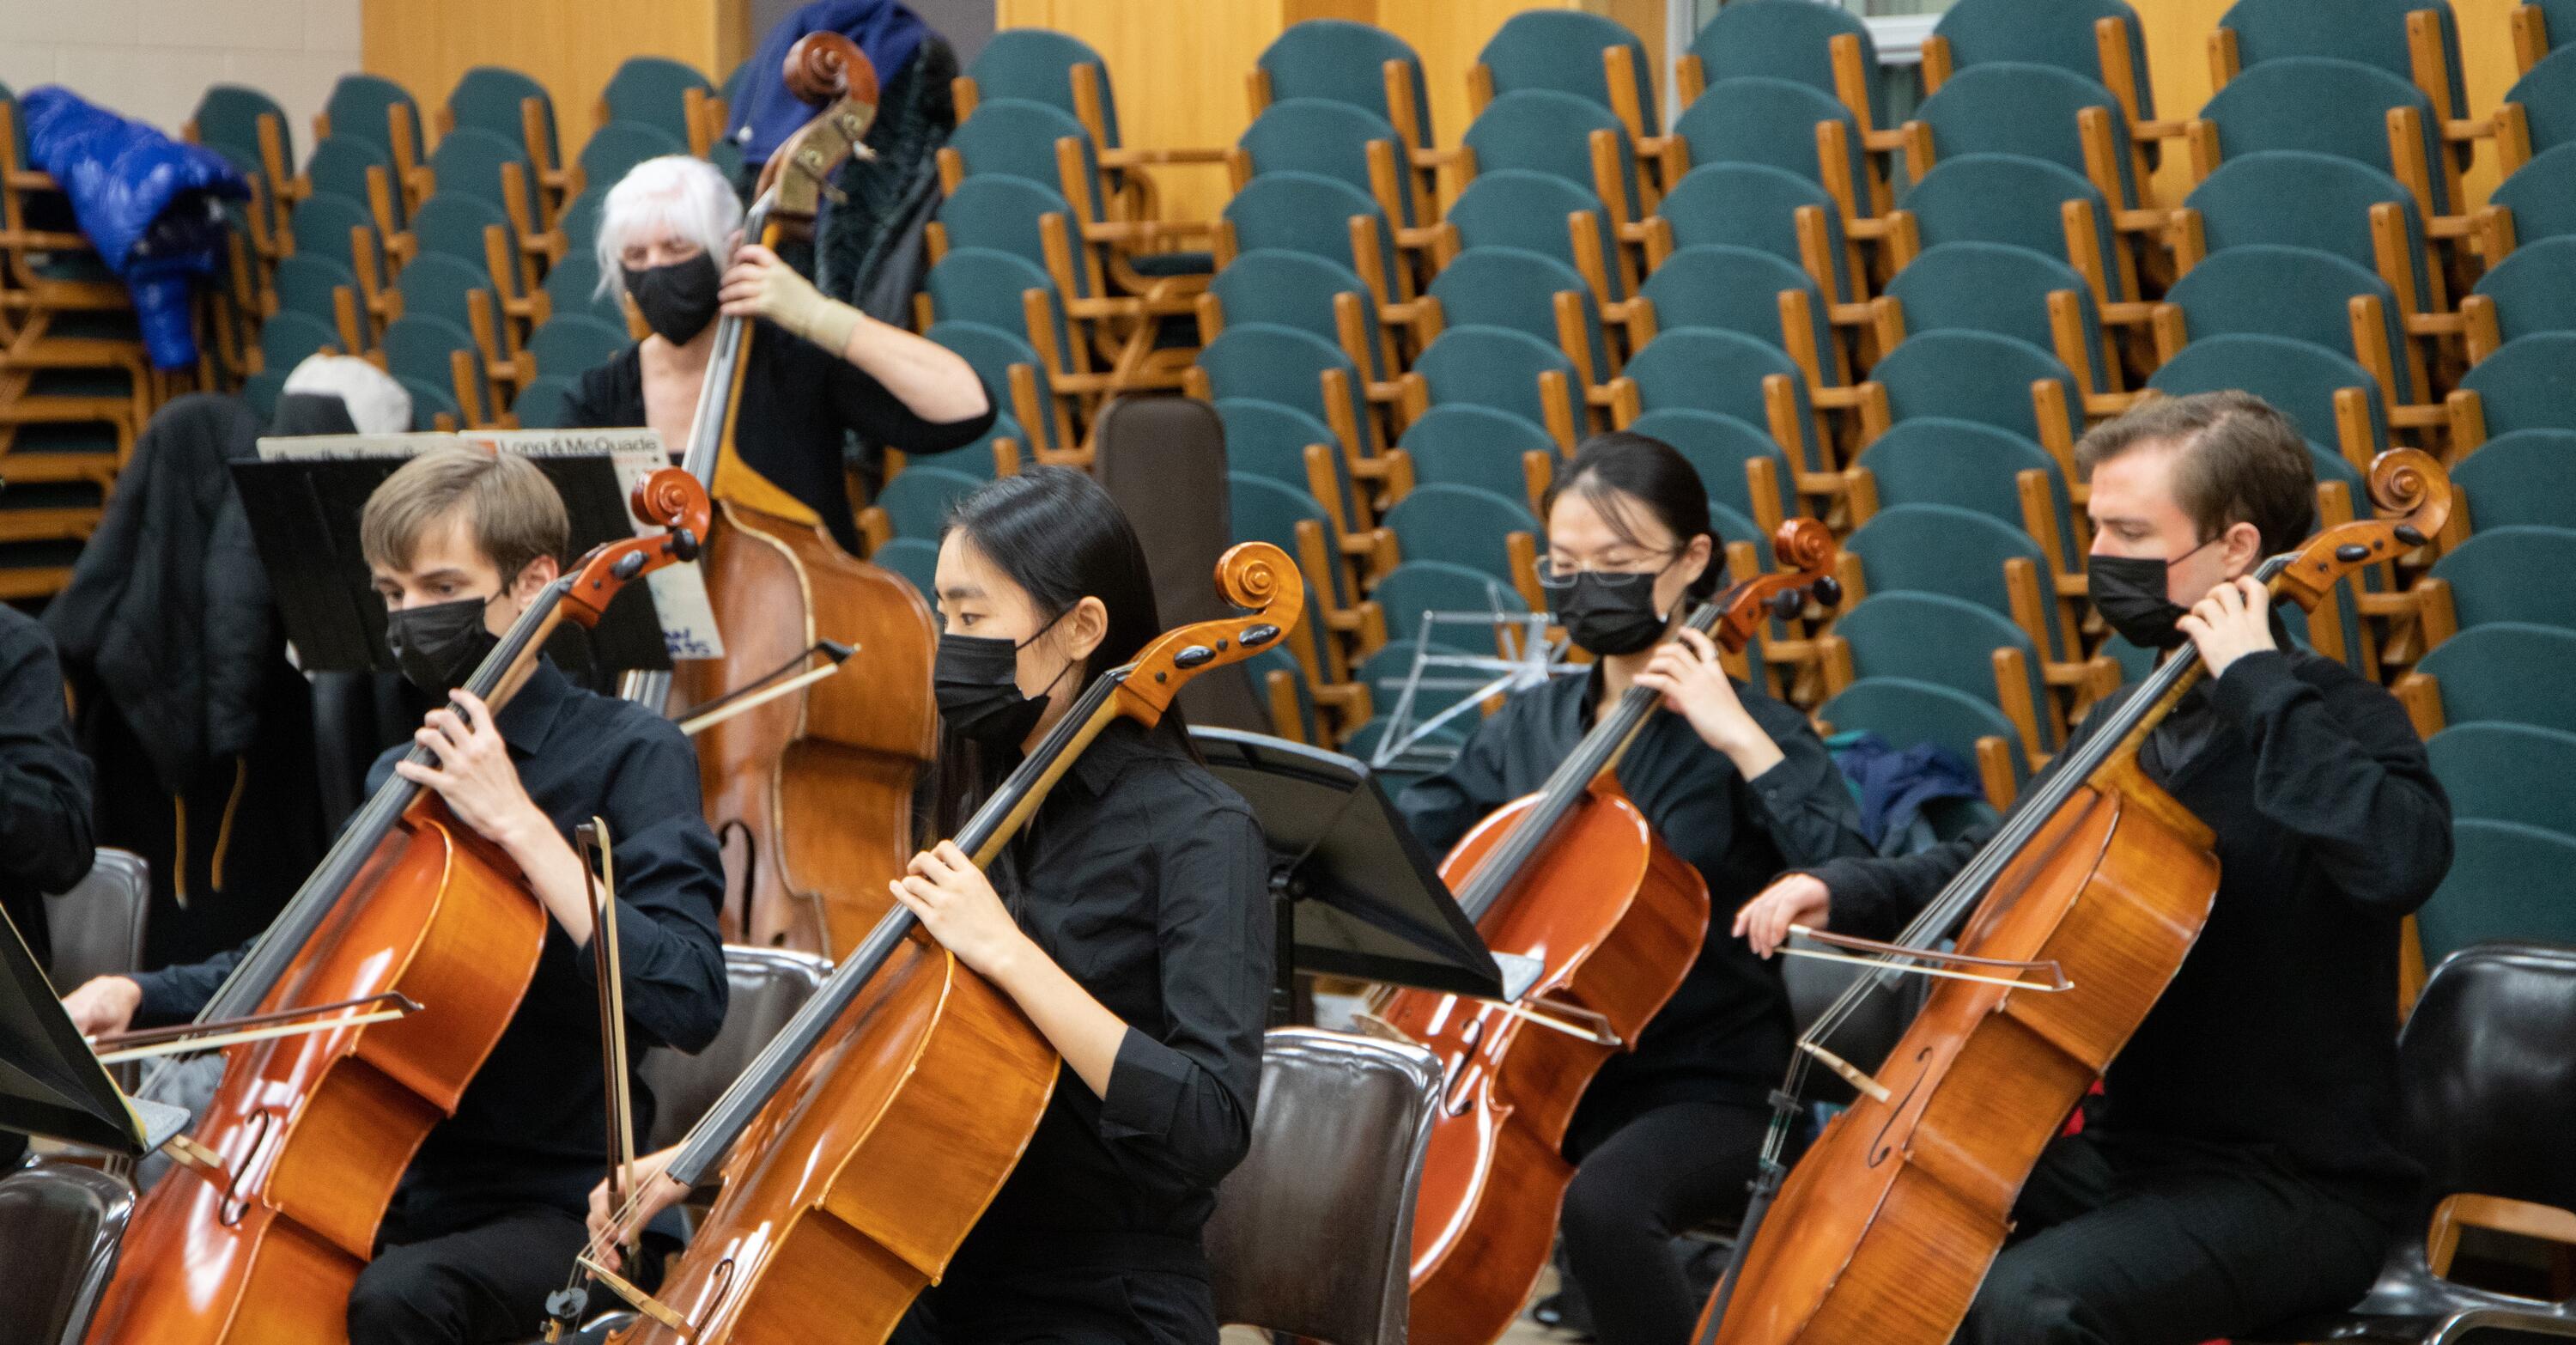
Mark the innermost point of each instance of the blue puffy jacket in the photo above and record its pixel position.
(147, 203)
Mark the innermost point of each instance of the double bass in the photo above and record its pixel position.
(810, 792)
(1573, 878)
(2093, 891)
(859, 1149)
(269, 1213)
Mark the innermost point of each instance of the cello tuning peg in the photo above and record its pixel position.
(2410, 534)
(684, 545)
(1786, 606)
(1828, 592)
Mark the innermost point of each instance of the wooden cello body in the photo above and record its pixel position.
(260, 1229)
(862, 1146)
(811, 793)
(1887, 1226)
(1574, 878)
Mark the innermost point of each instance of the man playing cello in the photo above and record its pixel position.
(460, 542)
(2246, 1168)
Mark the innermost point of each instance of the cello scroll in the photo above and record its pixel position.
(1254, 575)
(1805, 549)
(2413, 492)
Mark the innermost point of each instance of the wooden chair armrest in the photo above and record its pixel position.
(1138, 158)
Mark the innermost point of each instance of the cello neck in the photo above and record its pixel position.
(498, 676)
(1566, 786)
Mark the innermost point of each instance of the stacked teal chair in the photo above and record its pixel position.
(1564, 50)
(350, 167)
(654, 91)
(1722, 372)
(1037, 63)
(572, 286)
(1345, 62)
(1738, 289)
(572, 344)
(2524, 478)
(2518, 574)
(2505, 670)
(2546, 97)
(617, 147)
(338, 228)
(2044, 32)
(1271, 363)
(472, 160)
(994, 353)
(1977, 376)
(542, 404)
(307, 284)
(1417, 587)
(2296, 198)
(2324, 106)
(2507, 881)
(1017, 137)
(419, 346)
(1757, 119)
(985, 286)
(2299, 293)
(1757, 206)
(1498, 368)
(2015, 199)
(1536, 212)
(916, 502)
(1268, 440)
(2529, 384)
(2539, 198)
(1001, 212)
(2506, 772)
(2298, 379)
(1782, 39)
(580, 219)
(363, 107)
(1994, 287)
(1293, 289)
(1329, 139)
(2019, 107)
(1948, 642)
(287, 337)
(1719, 448)
(1310, 213)
(1464, 445)
(1460, 525)
(1906, 712)
(1518, 289)
(1939, 548)
(1932, 460)
(2532, 290)
(429, 401)
(1546, 131)
(228, 118)
(2372, 32)
(494, 98)
(915, 560)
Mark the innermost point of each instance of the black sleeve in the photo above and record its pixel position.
(175, 994)
(670, 882)
(1802, 800)
(610, 396)
(1441, 808)
(1186, 1094)
(2339, 766)
(45, 840)
(1875, 898)
(861, 403)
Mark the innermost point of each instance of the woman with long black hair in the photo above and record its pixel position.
(1735, 783)
(1129, 919)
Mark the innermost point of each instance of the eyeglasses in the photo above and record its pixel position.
(1555, 574)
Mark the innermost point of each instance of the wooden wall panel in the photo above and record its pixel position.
(570, 46)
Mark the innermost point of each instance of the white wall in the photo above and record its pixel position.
(152, 59)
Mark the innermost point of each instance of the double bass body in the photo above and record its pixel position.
(811, 794)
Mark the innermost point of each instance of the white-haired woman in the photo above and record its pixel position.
(817, 366)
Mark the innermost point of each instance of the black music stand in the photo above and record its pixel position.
(51, 1083)
(1357, 895)
(303, 515)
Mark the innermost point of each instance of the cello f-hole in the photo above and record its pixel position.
(1879, 1149)
(230, 1209)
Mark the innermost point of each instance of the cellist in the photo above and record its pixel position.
(2245, 1169)
(817, 366)
(1130, 920)
(1739, 786)
(459, 542)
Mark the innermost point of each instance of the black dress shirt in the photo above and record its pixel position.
(797, 400)
(44, 782)
(2278, 1037)
(1725, 1034)
(531, 1128)
(1148, 881)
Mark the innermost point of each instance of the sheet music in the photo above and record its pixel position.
(679, 592)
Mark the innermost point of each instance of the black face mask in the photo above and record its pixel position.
(976, 681)
(2129, 592)
(678, 300)
(1608, 614)
(440, 645)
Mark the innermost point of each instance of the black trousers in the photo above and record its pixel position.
(1063, 1305)
(1634, 1191)
(2127, 1241)
(483, 1282)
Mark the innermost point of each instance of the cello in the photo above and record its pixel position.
(1575, 879)
(861, 1146)
(270, 1210)
(2100, 882)
(810, 792)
